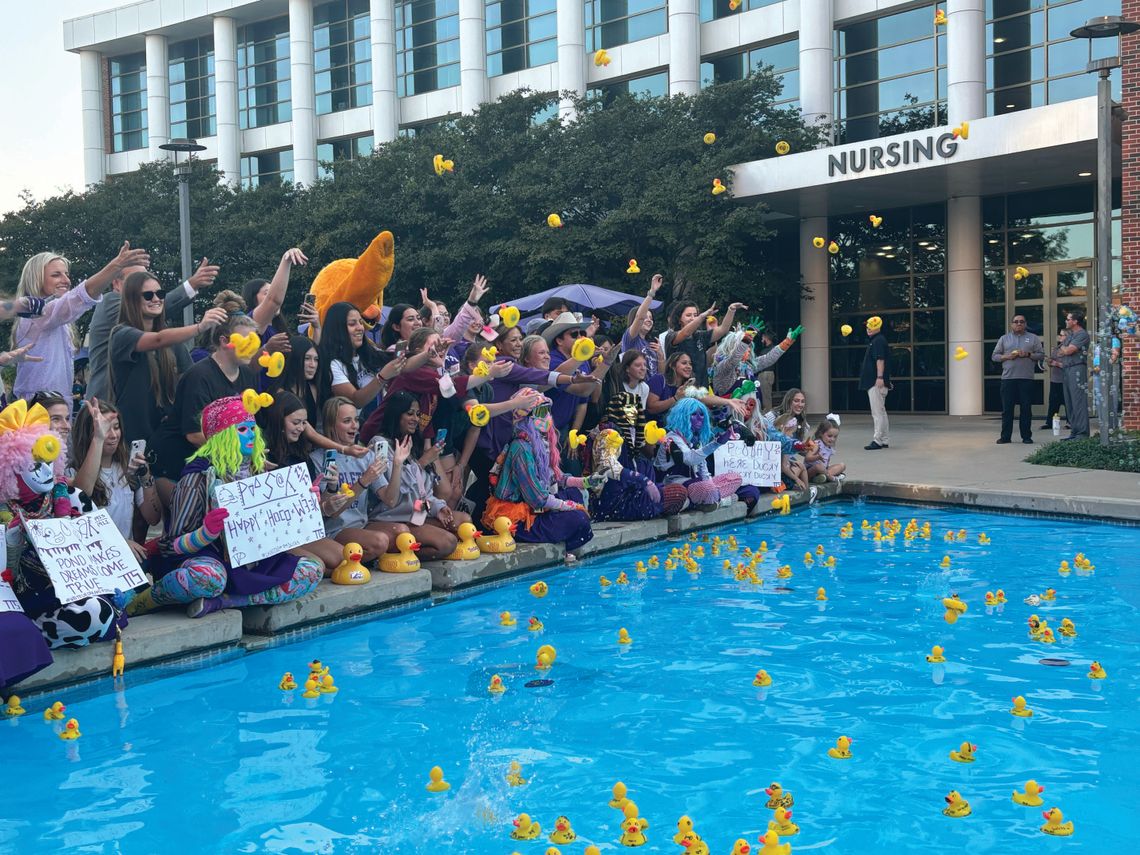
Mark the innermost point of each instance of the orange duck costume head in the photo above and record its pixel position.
(360, 281)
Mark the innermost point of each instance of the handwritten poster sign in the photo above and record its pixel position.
(269, 513)
(84, 556)
(758, 465)
(8, 601)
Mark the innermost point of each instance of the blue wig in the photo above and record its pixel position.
(680, 421)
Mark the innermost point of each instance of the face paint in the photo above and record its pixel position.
(697, 422)
(246, 432)
(38, 479)
(542, 424)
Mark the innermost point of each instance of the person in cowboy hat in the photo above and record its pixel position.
(561, 334)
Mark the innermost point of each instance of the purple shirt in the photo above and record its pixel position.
(642, 346)
(497, 433)
(54, 343)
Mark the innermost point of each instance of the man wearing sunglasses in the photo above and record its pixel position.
(106, 316)
(1018, 352)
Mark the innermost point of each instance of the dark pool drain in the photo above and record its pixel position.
(1056, 663)
(535, 684)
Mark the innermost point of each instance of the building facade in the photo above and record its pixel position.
(278, 89)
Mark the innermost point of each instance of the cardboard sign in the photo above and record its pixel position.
(269, 513)
(84, 556)
(758, 466)
(8, 601)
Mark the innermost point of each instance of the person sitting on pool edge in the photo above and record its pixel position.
(529, 488)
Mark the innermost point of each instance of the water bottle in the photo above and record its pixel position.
(1056, 425)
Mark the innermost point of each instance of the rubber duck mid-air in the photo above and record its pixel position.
(601, 58)
(1054, 824)
(1031, 796)
(965, 753)
(956, 806)
(633, 268)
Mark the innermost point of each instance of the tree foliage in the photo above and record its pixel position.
(630, 178)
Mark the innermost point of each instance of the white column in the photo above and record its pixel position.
(815, 316)
(385, 104)
(304, 99)
(226, 99)
(91, 97)
(157, 95)
(817, 98)
(964, 378)
(472, 55)
(571, 54)
(684, 47)
(965, 60)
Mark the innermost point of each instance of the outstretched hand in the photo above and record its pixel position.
(794, 333)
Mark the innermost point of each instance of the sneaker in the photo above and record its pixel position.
(819, 479)
(1002, 441)
(841, 477)
(1027, 442)
(204, 606)
(873, 446)
(1046, 427)
(813, 494)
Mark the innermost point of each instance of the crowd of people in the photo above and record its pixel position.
(418, 424)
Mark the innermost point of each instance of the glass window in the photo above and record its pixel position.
(713, 9)
(783, 57)
(267, 167)
(128, 102)
(192, 108)
(520, 34)
(427, 45)
(342, 55)
(264, 92)
(651, 85)
(610, 23)
(889, 75)
(331, 152)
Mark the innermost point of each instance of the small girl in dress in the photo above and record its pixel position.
(791, 467)
(819, 459)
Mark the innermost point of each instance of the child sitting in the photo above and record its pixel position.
(791, 467)
(820, 469)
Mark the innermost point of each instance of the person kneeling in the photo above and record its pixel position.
(683, 458)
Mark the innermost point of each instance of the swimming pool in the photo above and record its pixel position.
(221, 760)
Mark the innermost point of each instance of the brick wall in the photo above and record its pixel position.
(1130, 212)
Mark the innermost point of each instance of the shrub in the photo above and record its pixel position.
(1120, 455)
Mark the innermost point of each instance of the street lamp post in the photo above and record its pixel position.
(1107, 26)
(182, 170)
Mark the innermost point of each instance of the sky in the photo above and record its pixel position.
(41, 149)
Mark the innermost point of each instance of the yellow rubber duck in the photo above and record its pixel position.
(562, 833)
(709, 138)
(965, 753)
(842, 749)
(327, 687)
(273, 363)
(633, 268)
(525, 829)
(782, 819)
(350, 571)
(118, 660)
(1047, 636)
(956, 806)
(1000, 596)
(405, 560)
(539, 589)
(684, 827)
(604, 582)
(1064, 569)
(1049, 595)
(945, 562)
(830, 562)
(983, 538)
(13, 707)
(1067, 628)
(622, 579)
(435, 783)
(718, 187)
(592, 850)
(624, 637)
(575, 439)
(70, 730)
(501, 540)
(534, 625)
(991, 600)
(940, 18)
(632, 827)
(466, 549)
(808, 559)
(772, 845)
(833, 248)
(1096, 671)
(1054, 824)
(875, 220)
(554, 221)
(641, 568)
(1031, 797)
(56, 712)
(741, 847)
(762, 678)
(1037, 627)
(312, 686)
(820, 594)
(777, 797)
(1019, 708)
(935, 654)
(601, 58)
(619, 796)
(479, 414)
(549, 652)
(507, 619)
(583, 351)
(442, 165)
(287, 683)
(783, 504)
(784, 572)
(783, 147)
(691, 843)
(496, 687)
(654, 561)
(514, 775)
(244, 346)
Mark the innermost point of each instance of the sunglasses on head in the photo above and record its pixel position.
(151, 295)
(541, 411)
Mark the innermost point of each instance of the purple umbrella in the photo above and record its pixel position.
(587, 299)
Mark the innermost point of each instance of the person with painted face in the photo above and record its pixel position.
(193, 567)
(529, 488)
(683, 454)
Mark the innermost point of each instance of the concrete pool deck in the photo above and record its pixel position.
(938, 459)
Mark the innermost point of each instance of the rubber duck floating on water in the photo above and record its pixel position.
(782, 820)
(777, 796)
(466, 549)
(1054, 824)
(534, 624)
(842, 749)
(624, 637)
(991, 600)
(965, 753)
(1067, 628)
(741, 847)
(619, 796)
(623, 579)
(956, 806)
(55, 712)
(70, 730)
(539, 589)
(507, 619)
(945, 565)
(1096, 671)
(1019, 708)
(350, 571)
(954, 608)
(935, 655)
(821, 594)
(435, 783)
(983, 538)
(771, 844)
(633, 827)
(693, 845)
(762, 678)
(287, 683)
(405, 559)
(525, 828)
(684, 827)
(562, 833)
(544, 657)
(496, 687)
(13, 707)
(501, 540)
(604, 582)
(1031, 796)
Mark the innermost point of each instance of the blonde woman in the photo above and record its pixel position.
(46, 276)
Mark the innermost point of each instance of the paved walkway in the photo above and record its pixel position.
(955, 458)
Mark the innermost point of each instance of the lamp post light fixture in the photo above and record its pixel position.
(182, 170)
(1104, 27)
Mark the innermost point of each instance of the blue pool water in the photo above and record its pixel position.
(219, 760)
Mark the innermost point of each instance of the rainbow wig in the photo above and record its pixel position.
(223, 452)
(680, 421)
(16, 457)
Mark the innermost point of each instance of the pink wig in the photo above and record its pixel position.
(16, 457)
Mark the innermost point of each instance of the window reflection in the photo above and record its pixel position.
(520, 34)
(264, 87)
(267, 167)
(427, 46)
(192, 104)
(128, 102)
(782, 57)
(610, 23)
(342, 55)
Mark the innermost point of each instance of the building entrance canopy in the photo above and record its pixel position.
(1045, 147)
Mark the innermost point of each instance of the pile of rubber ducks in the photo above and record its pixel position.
(319, 682)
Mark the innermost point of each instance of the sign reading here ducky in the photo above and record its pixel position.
(84, 556)
(870, 158)
(269, 513)
(758, 465)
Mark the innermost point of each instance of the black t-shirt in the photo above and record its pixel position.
(202, 384)
(696, 345)
(877, 348)
(140, 413)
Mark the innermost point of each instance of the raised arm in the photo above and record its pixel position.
(643, 309)
(175, 335)
(127, 257)
(692, 326)
(729, 319)
(265, 311)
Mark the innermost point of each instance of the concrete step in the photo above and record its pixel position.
(453, 575)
